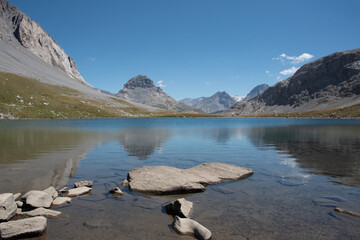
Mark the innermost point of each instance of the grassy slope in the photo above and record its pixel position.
(22, 97)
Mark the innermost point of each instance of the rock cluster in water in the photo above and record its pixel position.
(34, 207)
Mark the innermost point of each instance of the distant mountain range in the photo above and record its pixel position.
(216, 103)
(141, 89)
(330, 82)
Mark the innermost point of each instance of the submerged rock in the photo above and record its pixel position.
(340, 210)
(116, 190)
(170, 180)
(83, 184)
(180, 207)
(40, 212)
(329, 201)
(37, 199)
(21, 228)
(52, 192)
(78, 191)
(7, 206)
(186, 226)
(61, 200)
(125, 183)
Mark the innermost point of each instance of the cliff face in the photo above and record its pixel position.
(34, 38)
(141, 89)
(256, 91)
(216, 103)
(327, 83)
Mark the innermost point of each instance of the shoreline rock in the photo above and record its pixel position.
(180, 207)
(61, 201)
(78, 191)
(186, 226)
(83, 184)
(164, 180)
(22, 228)
(7, 206)
(40, 212)
(37, 199)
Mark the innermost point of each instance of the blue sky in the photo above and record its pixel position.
(195, 48)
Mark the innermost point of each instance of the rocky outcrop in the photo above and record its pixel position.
(22, 228)
(34, 38)
(141, 89)
(7, 206)
(186, 226)
(327, 83)
(216, 103)
(256, 91)
(164, 180)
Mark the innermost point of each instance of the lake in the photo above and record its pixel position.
(303, 169)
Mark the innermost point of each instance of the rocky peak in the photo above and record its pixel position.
(139, 81)
(34, 38)
(259, 89)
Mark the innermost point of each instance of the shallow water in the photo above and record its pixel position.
(302, 170)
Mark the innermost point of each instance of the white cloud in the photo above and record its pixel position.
(92, 59)
(235, 77)
(278, 78)
(293, 59)
(267, 72)
(160, 84)
(207, 83)
(289, 71)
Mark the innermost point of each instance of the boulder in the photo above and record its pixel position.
(186, 226)
(164, 180)
(40, 212)
(61, 201)
(78, 191)
(17, 195)
(22, 228)
(180, 207)
(7, 206)
(52, 192)
(83, 184)
(19, 203)
(37, 199)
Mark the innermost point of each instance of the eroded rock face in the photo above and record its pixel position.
(186, 226)
(180, 207)
(163, 180)
(7, 206)
(21, 228)
(37, 199)
(33, 37)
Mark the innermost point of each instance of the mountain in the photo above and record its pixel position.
(238, 98)
(330, 82)
(259, 89)
(218, 102)
(141, 89)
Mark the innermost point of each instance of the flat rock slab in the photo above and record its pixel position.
(7, 206)
(37, 199)
(78, 191)
(52, 192)
(186, 226)
(83, 184)
(164, 180)
(61, 201)
(40, 212)
(22, 228)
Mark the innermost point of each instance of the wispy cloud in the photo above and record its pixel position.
(268, 72)
(294, 59)
(235, 77)
(207, 83)
(92, 59)
(289, 71)
(160, 84)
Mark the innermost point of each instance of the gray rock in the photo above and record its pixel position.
(52, 192)
(19, 203)
(256, 91)
(17, 195)
(22, 228)
(37, 199)
(125, 183)
(40, 212)
(180, 207)
(7, 206)
(116, 190)
(78, 191)
(186, 226)
(64, 190)
(83, 184)
(163, 180)
(61, 201)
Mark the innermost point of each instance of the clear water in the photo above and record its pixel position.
(303, 169)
